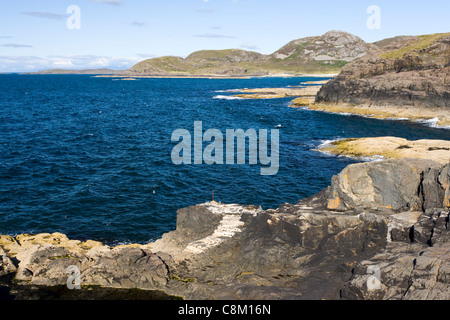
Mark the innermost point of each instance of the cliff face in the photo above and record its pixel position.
(406, 72)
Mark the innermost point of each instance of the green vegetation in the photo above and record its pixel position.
(299, 58)
(421, 43)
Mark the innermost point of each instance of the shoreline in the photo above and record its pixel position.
(390, 148)
(437, 117)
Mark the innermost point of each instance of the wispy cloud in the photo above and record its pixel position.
(249, 46)
(77, 62)
(138, 24)
(214, 36)
(5, 37)
(45, 15)
(112, 2)
(16, 45)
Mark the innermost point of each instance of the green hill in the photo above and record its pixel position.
(321, 54)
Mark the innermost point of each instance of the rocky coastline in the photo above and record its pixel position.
(391, 216)
(401, 78)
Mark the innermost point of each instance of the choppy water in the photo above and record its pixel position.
(91, 157)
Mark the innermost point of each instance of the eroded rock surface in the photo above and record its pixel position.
(391, 221)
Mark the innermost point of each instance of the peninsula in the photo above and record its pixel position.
(402, 78)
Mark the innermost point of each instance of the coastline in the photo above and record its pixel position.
(212, 76)
(239, 252)
(437, 117)
(235, 252)
(390, 148)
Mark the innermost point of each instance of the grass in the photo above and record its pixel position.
(187, 280)
(336, 64)
(421, 43)
(62, 257)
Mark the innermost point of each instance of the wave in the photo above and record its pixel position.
(227, 97)
(433, 123)
(231, 90)
(328, 143)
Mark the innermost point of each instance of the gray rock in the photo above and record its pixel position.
(444, 180)
(408, 270)
(126, 268)
(45, 265)
(431, 189)
(119, 268)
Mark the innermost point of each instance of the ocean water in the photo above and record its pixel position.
(91, 157)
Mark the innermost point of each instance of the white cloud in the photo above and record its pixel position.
(16, 45)
(34, 63)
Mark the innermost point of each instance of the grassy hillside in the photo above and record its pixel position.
(321, 54)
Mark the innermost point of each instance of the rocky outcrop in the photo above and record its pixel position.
(405, 73)
(399, 185)
(333, 48)
(390, 225)
(390, 148)
(415, 268)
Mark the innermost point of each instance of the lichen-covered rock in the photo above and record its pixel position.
(391, 184)
(415, 269)
(6, 265)
(126, 268)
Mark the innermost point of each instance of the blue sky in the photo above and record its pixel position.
(118, 33)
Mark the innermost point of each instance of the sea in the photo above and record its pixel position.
(90, 157)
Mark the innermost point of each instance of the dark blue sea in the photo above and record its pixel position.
(91, 157)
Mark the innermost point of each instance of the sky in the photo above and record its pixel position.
(44, 34)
